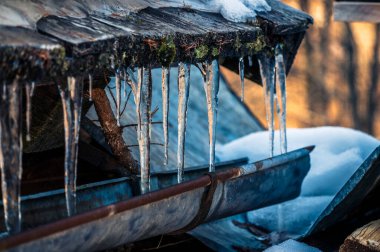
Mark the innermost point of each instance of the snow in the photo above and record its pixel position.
(28, 13)
(291, 245)
(337, 155)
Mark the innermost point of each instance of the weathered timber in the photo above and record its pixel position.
(28, 55)
(362, 11)
(155, 36)
(366, 238)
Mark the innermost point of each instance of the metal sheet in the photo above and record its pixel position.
(166, 210)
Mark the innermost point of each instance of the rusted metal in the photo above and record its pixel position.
(239, 189)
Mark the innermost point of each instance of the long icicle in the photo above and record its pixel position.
(11, 154)
(241, 74)
(90, 84)
(71, 96)
(145, 80)
(125, 77)
(183, 98)
(165, 109)
(212, 89)
(118, 95)
(281, 92)
(267, 77)
(33, 88)
(28, 97)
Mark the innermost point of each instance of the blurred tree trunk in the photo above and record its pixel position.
(318, 95)
(372, 91)
(350, 71)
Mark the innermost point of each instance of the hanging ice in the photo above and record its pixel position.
(71, 95)
(125, 83)
(33, 88)
(250, 63)
(281, 92)
(183, 97)
(267, 67)
(90, 86)
(11, 154)
(142, 93)
(118, 95)
(211, 86)
(28, 97)
(144, 118)
(165, 109)
(241, 74)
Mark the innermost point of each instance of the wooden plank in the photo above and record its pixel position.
(141, 35)
(90, 36)
(357, 11)
(366, 238)
(27, 54)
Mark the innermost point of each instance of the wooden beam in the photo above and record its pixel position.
(357, 11)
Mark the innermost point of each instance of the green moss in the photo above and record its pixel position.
(237, 43)
(166, 52)
(215, 51)
(258, 45)
(201, 51)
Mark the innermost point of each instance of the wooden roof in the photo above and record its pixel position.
(148, 37)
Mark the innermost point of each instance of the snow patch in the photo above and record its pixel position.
(292, 245)
(338, 153)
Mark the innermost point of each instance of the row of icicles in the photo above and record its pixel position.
(272, 70)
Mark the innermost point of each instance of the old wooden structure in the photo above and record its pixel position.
(77, 41)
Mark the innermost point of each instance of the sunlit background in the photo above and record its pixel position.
(334, 78)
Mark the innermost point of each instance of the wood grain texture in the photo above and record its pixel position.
(366, 238)
(357, 11)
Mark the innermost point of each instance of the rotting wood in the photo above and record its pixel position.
(366, 238)
(113, 133)
(151, 36)
(28, 55)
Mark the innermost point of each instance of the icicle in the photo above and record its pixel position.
(144, 125)
(125, 83)
(11, 154)
(33, 88)
(281, 91)
(28, 96)
(183, 97)
(241, 74)
(90, 86)
(165, 108)
(118, 96)
(72, 107)
(211, 86)
(267, 77)
(278, 109)
(250, 62)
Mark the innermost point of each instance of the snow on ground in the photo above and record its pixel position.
(291, 245)
(338, 153)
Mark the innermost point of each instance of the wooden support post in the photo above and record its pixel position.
(113, 133)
